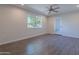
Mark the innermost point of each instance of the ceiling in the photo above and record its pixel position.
(42, 8)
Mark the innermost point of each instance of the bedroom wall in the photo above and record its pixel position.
(13, 24)
(69, 24)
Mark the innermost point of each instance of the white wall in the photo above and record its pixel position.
(69, 24)
(13, 25)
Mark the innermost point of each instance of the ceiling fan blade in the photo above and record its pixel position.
(55, 11)
(52, 8)
(49, 12)
(57, 8)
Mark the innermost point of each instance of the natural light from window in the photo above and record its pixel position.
(34, 22)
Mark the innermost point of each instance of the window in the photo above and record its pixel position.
(34, 22)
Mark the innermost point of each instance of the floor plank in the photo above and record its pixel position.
(43, 45)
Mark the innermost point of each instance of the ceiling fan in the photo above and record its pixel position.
(53, 8)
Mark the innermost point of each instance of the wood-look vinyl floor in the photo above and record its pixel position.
(43, 45)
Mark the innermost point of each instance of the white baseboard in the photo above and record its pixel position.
(74, 36)
(68, 35)
(21, 38)
(35, 36)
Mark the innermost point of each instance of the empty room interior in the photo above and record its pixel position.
(39, 29)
